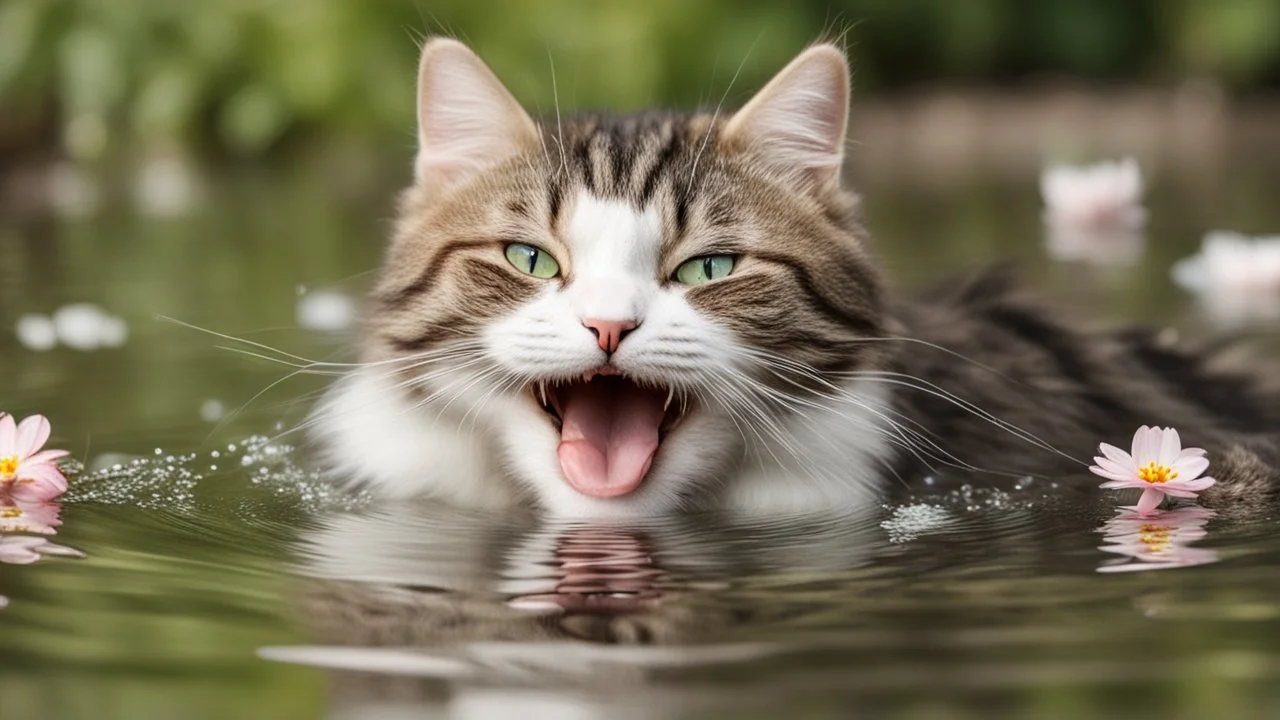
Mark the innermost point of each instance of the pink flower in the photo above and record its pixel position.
(23, 550)
(1158, 465)
(1156, 541)
(26, 473)
(29, 516)
(1105, 195)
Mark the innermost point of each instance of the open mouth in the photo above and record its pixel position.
(610, 428)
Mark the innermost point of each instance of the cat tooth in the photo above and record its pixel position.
(671, 393)
(542, 392)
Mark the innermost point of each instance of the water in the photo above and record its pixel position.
(221, 579)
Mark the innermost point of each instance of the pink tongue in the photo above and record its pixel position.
(609, 435)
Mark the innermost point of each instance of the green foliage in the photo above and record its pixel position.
(243, 74)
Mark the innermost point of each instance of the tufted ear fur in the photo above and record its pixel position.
(796, 124)
(467, 120)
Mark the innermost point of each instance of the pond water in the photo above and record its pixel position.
(221, 579)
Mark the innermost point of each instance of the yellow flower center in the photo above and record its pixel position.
(10, 512)
(1156, 538)
(8, 467)
(1154, 473)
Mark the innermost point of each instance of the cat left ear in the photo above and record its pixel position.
(467, 120)
(796, 124)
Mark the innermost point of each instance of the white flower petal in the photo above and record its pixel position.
(1149, 501)
(1115, 468)
(1197, 485)
(1146, 444)
(1110, 475)
(33, 433)
(1170, 447)
(1118, 456)
(1189, 468)
(8, 435)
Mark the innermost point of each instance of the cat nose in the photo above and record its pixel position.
(609, 333)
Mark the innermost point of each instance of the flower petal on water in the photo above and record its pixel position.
(33, 433)
(1170, 447)
(1149, 501)
(1118, 456)
(40, 482)
(1189, 468)
(8, 434)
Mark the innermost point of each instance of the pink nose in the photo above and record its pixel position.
(609, 333)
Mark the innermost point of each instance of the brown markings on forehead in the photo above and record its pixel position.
(446, 272)
(625, 157)
(804, 286)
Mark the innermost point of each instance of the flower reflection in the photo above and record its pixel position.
(24, 549)
(1237, 278)
(598, 570)
(1094, 213)
(29, 516)
(1156, 541)
(1107, 194)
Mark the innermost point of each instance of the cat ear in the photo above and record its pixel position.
(796, 124)
(467, 120)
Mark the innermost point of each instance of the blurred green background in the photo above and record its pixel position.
(228, 157)
(92, 77)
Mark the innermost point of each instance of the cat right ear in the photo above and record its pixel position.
(796, 125)
(467, 120)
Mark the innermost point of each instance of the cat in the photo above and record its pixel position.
(622, 316)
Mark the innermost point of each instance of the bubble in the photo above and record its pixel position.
(910, 521)
(326, 311)
(170, 480)
(166, 186)
(211, 410)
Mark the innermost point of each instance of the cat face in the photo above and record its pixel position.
(615, 312)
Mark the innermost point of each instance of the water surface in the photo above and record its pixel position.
(222, 580)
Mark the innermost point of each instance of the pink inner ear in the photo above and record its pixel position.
(797, 122)
(466, 118)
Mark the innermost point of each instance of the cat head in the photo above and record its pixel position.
(626, 307)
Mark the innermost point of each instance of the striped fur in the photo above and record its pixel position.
(805, 385)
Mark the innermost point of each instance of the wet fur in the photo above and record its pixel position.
(1074, 387)
(849, 377)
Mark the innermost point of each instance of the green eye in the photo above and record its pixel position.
(704, 269)
(532, 261)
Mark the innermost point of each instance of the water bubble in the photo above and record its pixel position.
(170, 481)
(910, 521)
(211, 410)
(326, 311)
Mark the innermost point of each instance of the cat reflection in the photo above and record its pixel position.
(606, 571)
(425, 608)
(415, 575)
